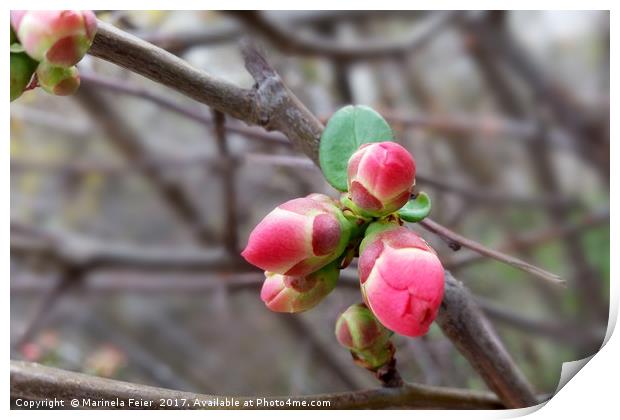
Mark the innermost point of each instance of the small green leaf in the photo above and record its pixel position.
(346, 131)
(416, 209)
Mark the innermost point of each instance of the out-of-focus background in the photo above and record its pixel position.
(128, 210)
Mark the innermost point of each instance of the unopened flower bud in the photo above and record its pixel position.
(61, 81)
(299, 236)
(380, 178)
(401, 277)
(283, 293)
(60, 37)
(22, 69)
(358, 330)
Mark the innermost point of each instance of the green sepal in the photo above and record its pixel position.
(416, 209)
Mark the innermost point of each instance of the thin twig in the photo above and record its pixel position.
(191, 112)
(537, 238)
(460, 240)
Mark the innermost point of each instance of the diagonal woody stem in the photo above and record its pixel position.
(456, 241)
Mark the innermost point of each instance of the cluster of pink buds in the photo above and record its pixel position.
(292, 244)
(304, 243)
(57, 40)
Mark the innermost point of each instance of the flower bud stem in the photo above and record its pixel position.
(389, 376)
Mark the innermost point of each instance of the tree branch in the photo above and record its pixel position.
(192, 113)
(270, 104)
(457, 241)
(464, 324)
(589, 221)
(36, 382)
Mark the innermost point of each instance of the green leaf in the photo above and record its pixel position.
(346, 131)
(416, 209)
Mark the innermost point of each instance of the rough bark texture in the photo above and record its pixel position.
(464, 324)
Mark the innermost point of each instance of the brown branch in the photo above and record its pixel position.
(464, 324)
(36, 382)
(272, 105)
(459, 240)
(191, 112)
(289, 40)
(449, 124)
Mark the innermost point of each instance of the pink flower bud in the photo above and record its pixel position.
(380, 178)
(299, 236)
(297, 293)
(60, 37)
(401, 277)
(59, 81)
(358, 330)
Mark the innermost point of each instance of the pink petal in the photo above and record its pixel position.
(397, 173)
(278, 242)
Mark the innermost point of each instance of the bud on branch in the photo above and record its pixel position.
(299, 236)
(380, 178)
(401, 277)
